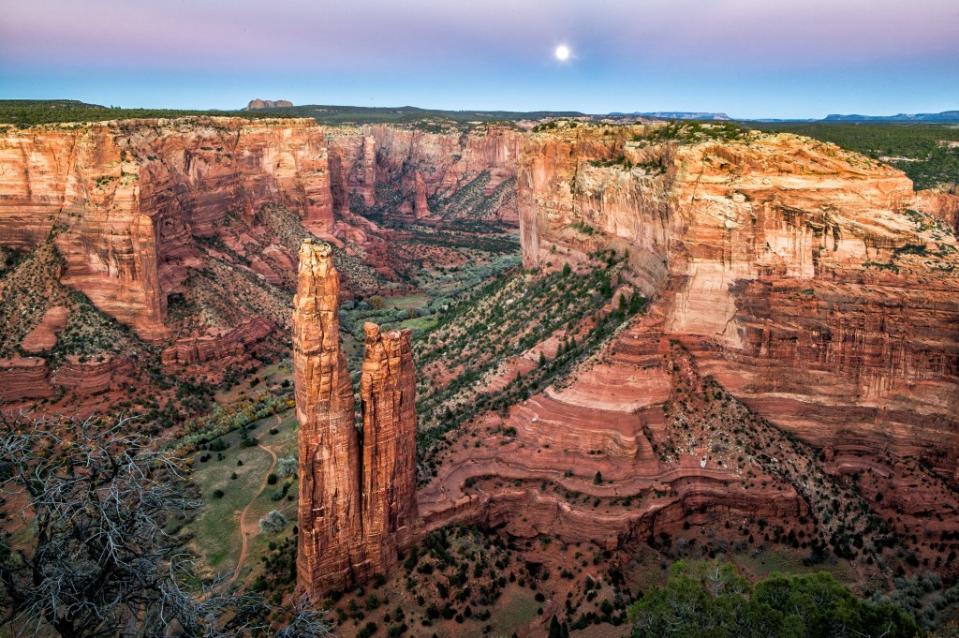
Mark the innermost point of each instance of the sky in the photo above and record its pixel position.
(747, 58)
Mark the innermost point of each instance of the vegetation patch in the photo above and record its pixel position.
(922, 151)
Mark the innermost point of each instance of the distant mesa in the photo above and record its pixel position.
(258, 104)
(944, 116)
(674, 115)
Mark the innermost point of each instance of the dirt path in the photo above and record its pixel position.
(249, 528)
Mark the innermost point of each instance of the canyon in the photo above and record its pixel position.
(738, 335)
(158, 222)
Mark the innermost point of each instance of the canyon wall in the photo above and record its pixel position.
(798, 365)
(198, 209)
(458, 170)
(802, 276)
(356, 505)
(125, 199)
(128, 200)
(942, 203)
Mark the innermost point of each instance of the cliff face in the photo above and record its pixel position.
(355, 511)
(451, 168)
(129, 200)
(942, 203)
(197, 211)
(801, 274)
(125, 199)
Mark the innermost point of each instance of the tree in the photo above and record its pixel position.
(713, 600)
(555, 630)
(98, 498)
(100, 561)
(307, 622)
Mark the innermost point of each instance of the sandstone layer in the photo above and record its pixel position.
(330, 521)
(802, 275)
(125, 199)
(160, 222)
(804, 329)
(388, 393)
(356, 506)
(467, 174)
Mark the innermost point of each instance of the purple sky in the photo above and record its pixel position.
(749, 58)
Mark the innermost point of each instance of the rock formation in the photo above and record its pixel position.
(804, 327)
(798, 278)
(144, 211)
(129, 198)
(330, 523)
(24, 378)
(421, 208)
(776, 258)
(126, 198)
(367, 188)
(388, 393)
(257, 104)
(943, 203)
(44, 336)
(216, 345)
(355, 511)
(420, 165)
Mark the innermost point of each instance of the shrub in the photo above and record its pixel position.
(273, 522)
(713, 599)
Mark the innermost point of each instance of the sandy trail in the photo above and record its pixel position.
(249, 528)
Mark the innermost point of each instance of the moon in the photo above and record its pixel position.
(562, 53)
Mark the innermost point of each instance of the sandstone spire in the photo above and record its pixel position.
(388, 392)
(355, 512)
(421, 207)
(329, 500)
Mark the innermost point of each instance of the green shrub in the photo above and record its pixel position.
(712, 599)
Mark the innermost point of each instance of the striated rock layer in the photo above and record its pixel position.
(223, 345)
(131, 202)
(804, 326)
(800, 274)
(797, 367)
(420, 165)
(125, 198)
(356, 508)
(157, 220)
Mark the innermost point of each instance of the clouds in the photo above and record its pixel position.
(504, 43)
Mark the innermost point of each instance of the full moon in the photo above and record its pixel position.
(562, 53)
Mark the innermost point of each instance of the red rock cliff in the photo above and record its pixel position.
(799, 273)
(804, 325)
(126, 197)
(421, 164)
